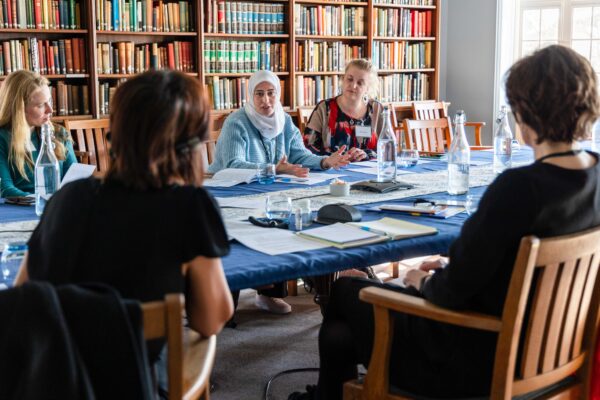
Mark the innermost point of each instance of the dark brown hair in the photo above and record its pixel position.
(157, 121)
(554, 91)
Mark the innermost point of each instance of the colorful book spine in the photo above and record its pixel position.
(404, 87)
(311, 90)
(314, 56)
(232, 56)
(329, 20)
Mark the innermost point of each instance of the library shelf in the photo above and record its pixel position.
(46, 31)
(248, 35)
(382, 5)
(331, 37)
(238, 74)
(407, 39)
(61, 118)
(60, 76)
(333, 3)
(158, 33)
(121, 76)
(404, 71)
(317, 73)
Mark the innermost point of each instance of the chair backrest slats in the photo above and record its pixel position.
(90, 137)
(568, 336)
(428, 135)
(562, 318)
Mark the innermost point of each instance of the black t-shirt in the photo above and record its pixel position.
(135, 241)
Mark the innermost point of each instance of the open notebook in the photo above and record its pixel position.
(354, 234)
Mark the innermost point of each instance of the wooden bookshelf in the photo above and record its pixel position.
(93, 32)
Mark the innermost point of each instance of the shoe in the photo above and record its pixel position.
(310, 394)
(272, 304)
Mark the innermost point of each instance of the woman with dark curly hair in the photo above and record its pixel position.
(553, 95)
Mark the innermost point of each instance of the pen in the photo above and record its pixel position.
(291, 180)
(376, 231)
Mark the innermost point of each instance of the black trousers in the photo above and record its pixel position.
(427, 359)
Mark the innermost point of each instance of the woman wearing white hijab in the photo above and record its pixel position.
(262, 132)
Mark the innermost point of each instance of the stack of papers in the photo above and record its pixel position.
(230, 177)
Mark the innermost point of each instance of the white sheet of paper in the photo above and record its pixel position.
(311, 179)
(240, 202)
(219, 183)
(77, 171)
(241, 175)
(271, 241)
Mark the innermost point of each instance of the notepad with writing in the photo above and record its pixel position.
(395, 228)
(343, 235)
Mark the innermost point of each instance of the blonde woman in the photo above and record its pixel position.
(350, 119)
(26, 105)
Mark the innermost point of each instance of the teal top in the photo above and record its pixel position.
(11, 182)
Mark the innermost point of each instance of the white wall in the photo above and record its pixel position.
(468, 41)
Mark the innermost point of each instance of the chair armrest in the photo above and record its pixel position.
(198, 360)
(481, 147)
(416, 306)
(478, 126)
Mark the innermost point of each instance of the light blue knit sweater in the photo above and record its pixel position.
(240, 145)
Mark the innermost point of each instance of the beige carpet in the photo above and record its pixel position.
(264, 344)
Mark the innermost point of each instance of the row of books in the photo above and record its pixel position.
(228, 93)
(402, 55)
(244, 17)
(47, 57)
(130, 58)
(70, 99)
(106, 91)
(311, 90)
(231, 56)
(403, 87)
(406, 2)
(144, 16)
(393, 22)
(329, 20)
(40, 14)
(314, 56)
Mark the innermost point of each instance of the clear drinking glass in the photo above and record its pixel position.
(306, 212)
(408, 158)
(11, 259)
(278, 206)
(265, 173)
(472, 203)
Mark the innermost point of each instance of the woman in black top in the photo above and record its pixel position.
(148, 228)
(553, 95)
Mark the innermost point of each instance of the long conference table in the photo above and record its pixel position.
(247, 268)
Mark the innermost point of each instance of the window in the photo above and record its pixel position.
(573, 23)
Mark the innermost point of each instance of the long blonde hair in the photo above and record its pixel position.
(366, 65)
(15, 93)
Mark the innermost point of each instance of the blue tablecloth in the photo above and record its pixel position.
(246, 268)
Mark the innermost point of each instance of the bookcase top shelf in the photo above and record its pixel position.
(239, 74)
(126, 33)
(333, 3)
(248, 35)
(55, 31)
(70, 117)
(382, 5)
(328, 37)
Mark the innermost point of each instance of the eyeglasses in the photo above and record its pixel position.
(261, 93)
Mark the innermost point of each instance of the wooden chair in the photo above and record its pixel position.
(91, 144)
(208, 149)
(188, 366)
(428, 136)
(304, 114)
(560, 331)
(436, 110)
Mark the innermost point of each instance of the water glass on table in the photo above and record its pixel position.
(265, 173)
(12, 257)
(278, 207)
(408, 158)
(472, 203)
